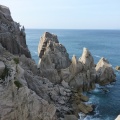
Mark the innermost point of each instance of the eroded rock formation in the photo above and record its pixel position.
(105, 73)
(53, 57)
(11, 36)
(52, 92)
(79, 74)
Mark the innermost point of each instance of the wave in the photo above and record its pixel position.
(97, 56)
(96, 116)
(35, 52)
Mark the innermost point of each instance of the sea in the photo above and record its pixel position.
(101, 43)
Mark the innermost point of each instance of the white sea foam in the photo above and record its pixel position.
(97, 56)
(35, 52)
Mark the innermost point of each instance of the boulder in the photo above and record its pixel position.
(65, 84)
(117, 67)
(84, 98)
(85, 108)
(70, 117)
(105, 72)
(118, 117)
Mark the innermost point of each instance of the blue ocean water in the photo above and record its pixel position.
(101, 43)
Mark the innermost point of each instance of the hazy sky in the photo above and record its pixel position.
(69, 14)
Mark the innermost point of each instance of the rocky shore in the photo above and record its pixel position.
(53, 90)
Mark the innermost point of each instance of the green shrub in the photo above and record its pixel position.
(5, 73)
(18, 84)
(16, 60)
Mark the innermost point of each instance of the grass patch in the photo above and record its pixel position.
(16, 60)
(18, 84)
(5, 73)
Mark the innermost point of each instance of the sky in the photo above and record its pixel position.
(65, 14)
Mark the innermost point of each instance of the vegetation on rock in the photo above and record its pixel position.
(5, 73)
(18, 84)
(16, 60)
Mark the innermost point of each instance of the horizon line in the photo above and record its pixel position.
(73, 28)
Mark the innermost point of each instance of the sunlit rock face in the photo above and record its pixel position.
(105, 72)
(53, 57)
(79, 74)
(52, 92)
(12, 37)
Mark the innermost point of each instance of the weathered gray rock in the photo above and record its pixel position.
(105, 73)
(18, 101)
(85, 108)
(11, 36)
(118, 117)
(53, 57)
(65, 84)
(76, 66)
(6, 12)
(70, 117)
(87, 59)
(19, 104)
(81, 74)
(117, 67)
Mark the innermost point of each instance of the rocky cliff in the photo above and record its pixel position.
(54, 90)
(80, 74)
(53, 57)
(12, 37)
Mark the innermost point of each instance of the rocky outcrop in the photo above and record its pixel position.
(51, 91)
(11, 36)
(27, 91)
(118, 117)
(105, 73)
(117, 67)
(53, 57)
(81, 73)
(18, 101)
(70, 117)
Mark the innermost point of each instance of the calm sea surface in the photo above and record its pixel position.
(101, 43)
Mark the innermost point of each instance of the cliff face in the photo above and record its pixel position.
(79, 74)
(52, 92)
(11, 36)
(18, 100)
(53, 57)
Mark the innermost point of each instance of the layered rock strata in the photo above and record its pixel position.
(52, 92)
(79, 74)
(53, 57)
(12, 37)
(105, 73)
(19, 99)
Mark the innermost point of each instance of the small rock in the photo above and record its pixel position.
(61, 101)
(65, 84)
(118, 117)
(117, 67)
(85, 108)
(70, 117)
(62, 91)
(83, 98)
